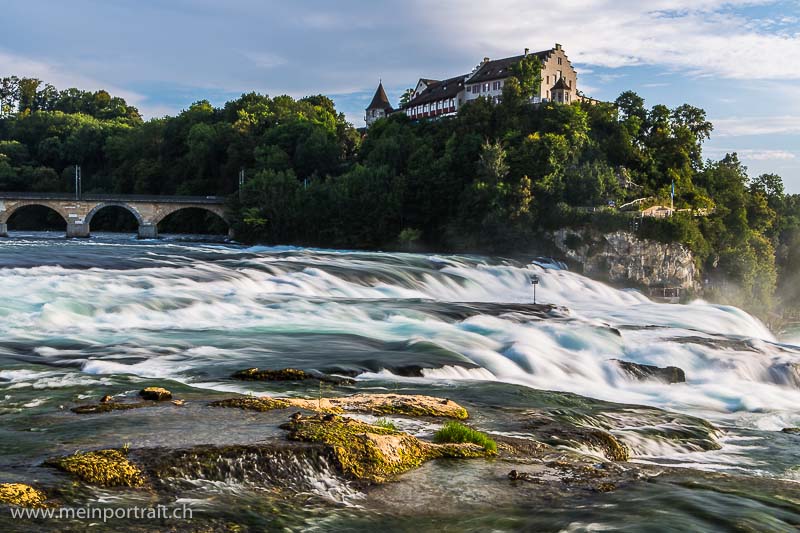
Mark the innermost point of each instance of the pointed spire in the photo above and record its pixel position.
(380, 100)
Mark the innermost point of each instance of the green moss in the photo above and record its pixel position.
(455, 432)
(157, 394)
(366, 452)
(286, 374)
(251, 403)
(21, 495)
(107, 468)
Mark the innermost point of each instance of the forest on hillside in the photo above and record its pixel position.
(491, 179)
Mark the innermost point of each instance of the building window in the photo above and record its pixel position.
(559, 60)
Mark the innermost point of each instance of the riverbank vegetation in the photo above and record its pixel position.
(493, 178)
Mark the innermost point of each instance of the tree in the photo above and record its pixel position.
(406, 97)
(771, 185)
(528, 71)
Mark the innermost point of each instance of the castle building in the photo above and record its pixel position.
(437, 98)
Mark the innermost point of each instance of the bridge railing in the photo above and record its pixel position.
(213, 200)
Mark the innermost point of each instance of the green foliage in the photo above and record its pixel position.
(456, 432)
(490, 179)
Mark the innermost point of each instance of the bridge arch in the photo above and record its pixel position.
(218, 211)
(99, 207)
(10, 210)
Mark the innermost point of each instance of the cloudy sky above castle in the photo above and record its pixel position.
(738, 59)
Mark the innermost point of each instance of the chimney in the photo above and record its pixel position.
(527, 50)
(558, 46)
(485, 59)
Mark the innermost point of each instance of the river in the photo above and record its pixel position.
(83, 318)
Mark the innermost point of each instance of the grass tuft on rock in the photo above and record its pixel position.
(385, 423)
(21, 495)
(107, 468)
(456, 432)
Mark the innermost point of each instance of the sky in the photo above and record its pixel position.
(737, 59)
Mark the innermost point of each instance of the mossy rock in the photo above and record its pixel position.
(107, 407)
(386, 404)
(372, 453)
(286, 374)
(376, 404)
(252, 403)
(21, 495)
(107, 468)
(791, 431)
(156, 394)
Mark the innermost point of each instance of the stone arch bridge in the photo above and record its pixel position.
(78, 214)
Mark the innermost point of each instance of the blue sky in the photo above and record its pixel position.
(738, 59)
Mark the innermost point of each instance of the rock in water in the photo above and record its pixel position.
(377, 404)
(373, 453)
(106, 468)
(21, 495)
(286, 374)
(669, 374)
(156, 394)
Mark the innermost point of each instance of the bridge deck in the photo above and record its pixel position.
(210, 200)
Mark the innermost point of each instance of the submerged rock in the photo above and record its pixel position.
(669, 374)
(21, 495)
(287, 374)
(557, 433)
(378, 404)
(107, 468)
(252, 403)
(373, 453)
(107, 407)
(156, 394)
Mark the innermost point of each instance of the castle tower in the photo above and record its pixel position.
(561, 92)
(379, 107)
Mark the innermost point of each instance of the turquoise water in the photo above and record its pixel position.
(109, 315)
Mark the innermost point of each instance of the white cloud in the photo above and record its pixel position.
(698, 37)
(265, 59)
(753, 154)
(62, 78)
(765, 125)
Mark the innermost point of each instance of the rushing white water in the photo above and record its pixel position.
(733, 363)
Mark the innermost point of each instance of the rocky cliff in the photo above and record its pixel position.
(623, 257)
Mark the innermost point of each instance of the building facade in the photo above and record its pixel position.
(437, 98)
